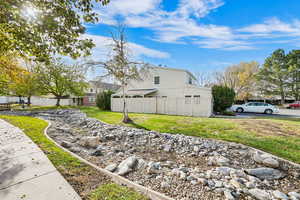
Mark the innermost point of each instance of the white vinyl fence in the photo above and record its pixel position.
(165, 105)
(37, 101)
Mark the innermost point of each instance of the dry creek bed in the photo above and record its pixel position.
(181, 167)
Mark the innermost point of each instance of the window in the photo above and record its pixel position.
(190, 80)
(91, 99)
(188, 99)
(196, 99)
(156, 80)
(91, 90)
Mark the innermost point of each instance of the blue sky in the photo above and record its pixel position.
(200, 35)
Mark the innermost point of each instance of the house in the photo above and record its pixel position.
(165, 90)
(94, 88)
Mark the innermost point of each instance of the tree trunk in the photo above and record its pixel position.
(126, 118)
(58, 101)
(29, 100)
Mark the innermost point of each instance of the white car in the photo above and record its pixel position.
(255, 107)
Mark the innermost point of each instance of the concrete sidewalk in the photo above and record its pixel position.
(25, 171)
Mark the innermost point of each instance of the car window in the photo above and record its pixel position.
(251, 104)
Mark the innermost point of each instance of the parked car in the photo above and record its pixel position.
(296, 104)
(256, 107)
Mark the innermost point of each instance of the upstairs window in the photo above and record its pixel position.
(190, 80)
(196, 99)
(91, 90)
(156, 80)
(188, 99)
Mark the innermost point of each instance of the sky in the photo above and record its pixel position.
(199, 35)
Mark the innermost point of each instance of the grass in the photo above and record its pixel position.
(115, 192)
(76, 172)
(254, 133)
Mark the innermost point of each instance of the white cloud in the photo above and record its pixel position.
(224, 44)
(273, 25)
(103, 46)
(172, 26)
(183, 25)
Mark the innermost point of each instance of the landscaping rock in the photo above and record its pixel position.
(266, 160)
(260, 194)
(127, 166)
(111, 167)
(90, 142)
(294, 195)
(279, 195)
(266, 173)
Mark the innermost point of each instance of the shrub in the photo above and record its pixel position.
(223, 97)
(103, 100)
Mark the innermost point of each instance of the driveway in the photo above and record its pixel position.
(283, 113)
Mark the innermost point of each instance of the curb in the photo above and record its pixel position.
(153, 195)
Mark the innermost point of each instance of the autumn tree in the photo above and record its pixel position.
(43, 28)
(61, 80)
(10, 68)
(240, 77)
(274, 74)
(120, 67)
(26, 84)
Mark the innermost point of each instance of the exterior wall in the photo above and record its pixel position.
(169, 79)
(168, 105)
(172, 97)
(89, 100)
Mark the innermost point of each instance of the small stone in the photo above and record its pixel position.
(66, 144)
(228, 195)
(294, 195)
(111, 167)
(203, 181)
(279, 195)
(89, 142)
(260, 194)
(165, 185)
(218, 184)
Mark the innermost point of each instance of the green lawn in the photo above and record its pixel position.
(77, 173)
(285, 144)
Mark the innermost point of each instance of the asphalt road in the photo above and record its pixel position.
(283, 113)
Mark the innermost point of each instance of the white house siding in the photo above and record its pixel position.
(168, 105)
(169, 96)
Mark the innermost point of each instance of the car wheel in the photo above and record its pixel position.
(269, 111)
(239, 110)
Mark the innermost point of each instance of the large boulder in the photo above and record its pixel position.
(266, 173)
(266, 160)
(89, 142)
(127, 165)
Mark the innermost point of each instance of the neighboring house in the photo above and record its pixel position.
(94, 88)
(165, 90)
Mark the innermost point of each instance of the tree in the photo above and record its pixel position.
(61, 80)
(103, 100)
(27, 83)
(223, 97)
(274, 74)
(293, 81)
(204, 79)
(42, 28)
(10, 68)
(120, 67)
(241, 78)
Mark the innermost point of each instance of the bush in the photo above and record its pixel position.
(223, 97)
(103, 100)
